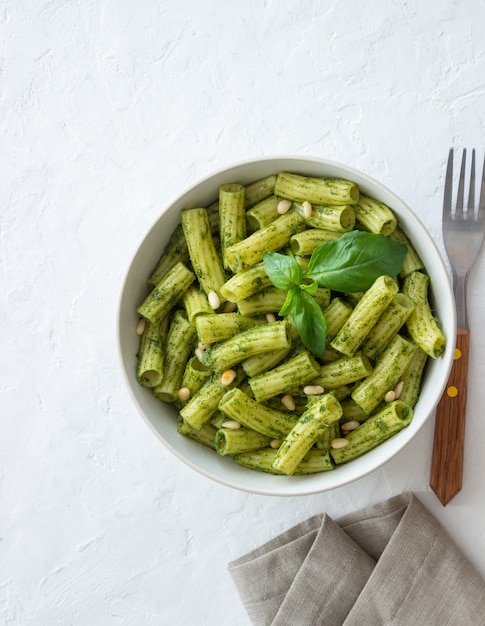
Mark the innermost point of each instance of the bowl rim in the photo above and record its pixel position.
(294, 488)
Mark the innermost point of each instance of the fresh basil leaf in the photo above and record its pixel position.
(309, 288)
(308, 319)
(290, 296)
(353, 262)
(283, 271)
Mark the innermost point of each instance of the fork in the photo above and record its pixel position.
(463, 235)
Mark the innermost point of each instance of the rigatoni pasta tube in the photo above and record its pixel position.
(203, 254)
(166, 294)
(232, 216)
(270, 300)
(412, 378)
(365, 315)
(387, 373)
(263, 213)
(374, 431)
(316, 190)
(310, 426)
(220, 326)
(232, 351)
(205, 435)
(195, 303)
(151, 356)
(338, 218)
(231, 441)
(412, 262)
(304, 243)
(299, 370)
(344, 371)
(174, 252)
(203, 404)
(268, 239)
(245, 283)
(390, 322)
(375, 216)
(421, 324)
(259, 190)
(180, 343)
(270, 422)
(313, 462)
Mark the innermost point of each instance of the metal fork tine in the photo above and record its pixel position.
(461, 188)
(471, 190)
(481, 205)
(448, 189)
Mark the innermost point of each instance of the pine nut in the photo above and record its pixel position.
(214, 300)
(339, 443)
(307, 209)
(284, 206)
(140, 327)
(231, 424)
(313, 390)
(275, 443)
(288, 402)
(390, 396)
(201, 346)
(229, 307)
(183, 394)
(270, 317)
(227, 377)
(199, 353)
(398, 389)
(351, 425)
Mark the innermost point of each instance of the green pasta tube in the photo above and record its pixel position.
(421, 324)
(245, 283)
(352, 411)
(314, 462)
(316, 190)
(255, 340)
(176, 251)
(377, 429)
(387, 373)
(205, 402)
(205, 435)
(268, 239)
(180, 343)
(365, 315)
(195, 303)
(269, 300)
(231, 441)
(299, 370)
(375, 216)
(304, 243)
(260, 363)
(305, 432)
(344, 371)
(412, 261)
(324, 441)
(166, 294)
(220, 326)
(390, 322)
(151, 356)
(259, 190)
(339, 218)
(232, 217)
(270, 422)
(195, 374)
(263, 213)
(412, 378)
(203, 254)
(336, 314)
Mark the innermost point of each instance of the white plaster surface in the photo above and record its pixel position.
(108, 110)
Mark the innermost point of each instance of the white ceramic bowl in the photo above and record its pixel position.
(161, 418)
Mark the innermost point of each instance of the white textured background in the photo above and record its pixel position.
(109, 109)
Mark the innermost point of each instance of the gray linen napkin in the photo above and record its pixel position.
(389, 564)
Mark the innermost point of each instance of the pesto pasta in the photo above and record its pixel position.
(288, 323)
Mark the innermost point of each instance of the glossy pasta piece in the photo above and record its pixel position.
(263, 213)
(304, 243)
(166, 294)
(412, 262)
(316, 190)
(339, 218)
(232, 441)
(421, 324)
(304, 434)
(218, 327)
(374, 431)
(195, 303)
(314, 462)
(386, 374)
(232, 216)
(344, 371)
(365, 315)
(246, 283)
(151, 356)
(205, 435)
(412, 378)
(375, 216)
(259, 190)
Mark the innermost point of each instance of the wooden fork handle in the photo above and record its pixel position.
(449, 435)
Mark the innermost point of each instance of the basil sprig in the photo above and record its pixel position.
(348, 264)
